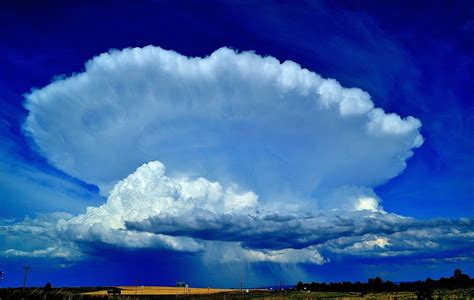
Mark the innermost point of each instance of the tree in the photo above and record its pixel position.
(48, 287)
(460, 279)
(423, 288)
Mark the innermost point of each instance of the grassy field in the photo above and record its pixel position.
(162, 290)
(199, 293)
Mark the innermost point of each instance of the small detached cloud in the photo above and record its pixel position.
(50, 252)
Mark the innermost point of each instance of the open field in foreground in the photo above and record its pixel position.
(161, 293)
(162, 290)
(229, 294)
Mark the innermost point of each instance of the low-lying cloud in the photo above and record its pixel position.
(150, 210)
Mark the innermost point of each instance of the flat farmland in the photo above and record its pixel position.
(162, 290)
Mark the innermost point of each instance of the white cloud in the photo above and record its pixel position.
(147, 193)
(50, 252)
(271, 127)
(234, 253)
(309, 255)
(149, 209)
(367, 203)
(269, 139)
(368, 244)
(352, 198)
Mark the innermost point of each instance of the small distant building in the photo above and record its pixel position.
(114, 291)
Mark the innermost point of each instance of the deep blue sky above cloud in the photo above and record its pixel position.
(414, 60)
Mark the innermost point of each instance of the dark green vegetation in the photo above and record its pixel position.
(378, 285)
(423, 289)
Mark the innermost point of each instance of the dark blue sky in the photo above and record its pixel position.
(414, 59)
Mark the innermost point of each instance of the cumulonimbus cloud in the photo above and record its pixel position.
(274, 128)
(240, 134)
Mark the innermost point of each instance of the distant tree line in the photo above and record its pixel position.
(378, 285)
